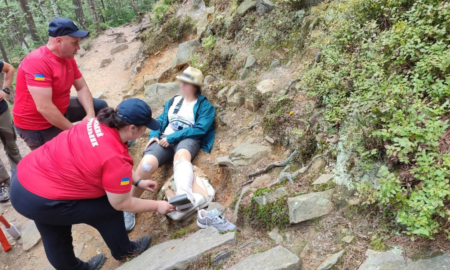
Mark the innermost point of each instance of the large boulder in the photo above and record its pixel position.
(394, 260)
(185, 52)
(177, 254)
(30, 235)
(310, 206)
(264, 6)
(119, 48)
(247, 153)
(246, 6)
(156, 95)
(277, 258)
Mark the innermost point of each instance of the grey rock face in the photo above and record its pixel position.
(250, 62)
(79, 249)
(393, 260)
(156, 95)
(323, 179)
(276, 236)
(209, 79)
(177, 254)
(246, 6)
(310, 206)
(105, 62)
(264, 6)
(185, 52)
(330, 261)
(30, 235)
(119, 48)
(217, 206)
(235, 100)
(261, 181)
(275, 63)
(271, 196)
(247, 153)
(225, 161)
(278, 258)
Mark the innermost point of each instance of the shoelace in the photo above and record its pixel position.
(2, 188)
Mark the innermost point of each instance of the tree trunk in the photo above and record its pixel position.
(44, 10)
(94, 15)
(30, 21)
(15, 27)
(135, 7)
(78, 6)
(5, 56)
(55, 9)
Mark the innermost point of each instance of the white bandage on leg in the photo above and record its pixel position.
(184, 177)
(147, 167)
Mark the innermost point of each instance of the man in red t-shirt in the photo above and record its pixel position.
(43, 106)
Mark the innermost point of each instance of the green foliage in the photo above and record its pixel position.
(182, 232)
(160, 10)
(269, 216)
(209, 42)
(377, 244)
(386, 64)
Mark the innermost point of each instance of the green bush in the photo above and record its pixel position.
(209, 42)
(387, 65)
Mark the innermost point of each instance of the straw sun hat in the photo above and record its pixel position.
(192, 75)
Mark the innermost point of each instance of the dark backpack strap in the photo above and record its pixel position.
(178, 106)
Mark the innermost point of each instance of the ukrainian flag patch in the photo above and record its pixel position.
(39, 77)
(125, 181)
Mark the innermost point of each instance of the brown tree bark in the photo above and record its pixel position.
(78, 6)
(135, 7)
(15, 27)
(2, 48)
(29, 20)
(94, 14)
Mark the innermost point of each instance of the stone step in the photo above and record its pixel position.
(310, 206)
(277, 258)
(394, 260)
(177, 254)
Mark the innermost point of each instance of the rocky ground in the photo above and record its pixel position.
(290, 213)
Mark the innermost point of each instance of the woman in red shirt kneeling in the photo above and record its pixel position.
(84, 175)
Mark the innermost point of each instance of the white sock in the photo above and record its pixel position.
(184, 177)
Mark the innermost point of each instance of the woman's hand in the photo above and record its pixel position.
(164, 143)
(148, 185)
(165, 207)
(154, 139)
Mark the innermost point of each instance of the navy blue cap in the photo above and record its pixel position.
(65, 27)
(138, 113)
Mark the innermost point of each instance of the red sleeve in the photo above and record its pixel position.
(37, 73)
(117, 175)
(76, 69)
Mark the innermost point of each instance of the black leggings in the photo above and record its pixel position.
(54, 220)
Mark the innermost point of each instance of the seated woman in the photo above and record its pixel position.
(186, 125)
(84, 175)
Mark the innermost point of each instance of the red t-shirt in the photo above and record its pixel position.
(80, 163)
(41, 68)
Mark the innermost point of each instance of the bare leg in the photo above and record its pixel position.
(149, 164)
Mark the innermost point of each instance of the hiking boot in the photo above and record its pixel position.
(130, 221)
(4, 192)
(213, 218)
(142, 244)
(96, 262)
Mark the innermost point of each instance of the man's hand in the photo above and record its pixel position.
(148, 185)
(154, 139)
(164, 143)
(165, 207)
(3, 95)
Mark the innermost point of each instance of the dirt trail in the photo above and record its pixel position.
(109, 81)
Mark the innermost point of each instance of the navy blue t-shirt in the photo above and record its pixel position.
(3, 103)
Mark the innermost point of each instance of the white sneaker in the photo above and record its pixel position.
(130, 221)
(213, 218)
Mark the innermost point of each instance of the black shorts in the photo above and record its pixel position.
(166, 155)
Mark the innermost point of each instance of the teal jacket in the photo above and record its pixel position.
(203, 128)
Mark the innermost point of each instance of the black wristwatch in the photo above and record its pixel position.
(137, 183)
(6, 90)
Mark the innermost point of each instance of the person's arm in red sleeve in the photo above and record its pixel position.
(39, 82)
(83, 93)
(117, 180)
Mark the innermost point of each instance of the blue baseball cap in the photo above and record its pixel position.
(65, 27)
(138, 113)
